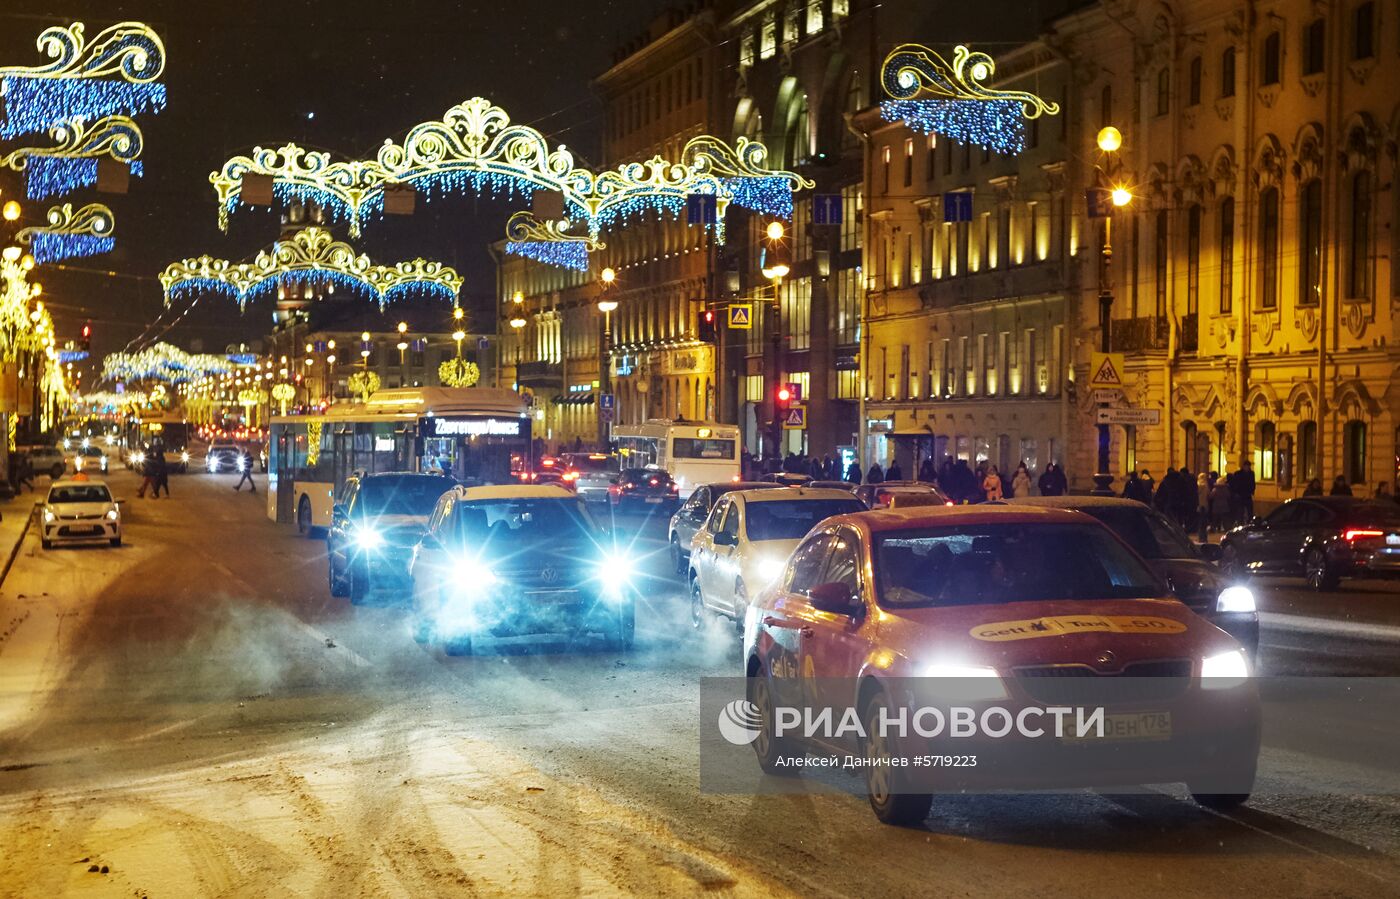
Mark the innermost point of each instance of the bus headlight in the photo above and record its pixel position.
(184, 457)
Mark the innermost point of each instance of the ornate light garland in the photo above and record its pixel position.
(475, 147)
(458, 372)
(114, 73)
(163, 362)
(86, 232)
(310, 256)
(283, 393)
(549, 242)
(929, 94)
(363, 384)
(71, 163)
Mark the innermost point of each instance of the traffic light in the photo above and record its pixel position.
(707, 326)
(87, 337)
(783, 398)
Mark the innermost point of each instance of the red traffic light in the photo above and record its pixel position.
(709, 316)
(784, 394)
(87, 330)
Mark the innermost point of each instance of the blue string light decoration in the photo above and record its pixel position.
(242, 358)
(66, 356)
(769, 196)
(994, 124)
(35, 105)
(57, 247)
(932, 95)
(68, 233)
(54, 176)
(564, 255)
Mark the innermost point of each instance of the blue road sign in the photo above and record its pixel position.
(826, 209)
(482, 343)
(1099, 202)
(700, 209)
(607, 401)
(957, 207)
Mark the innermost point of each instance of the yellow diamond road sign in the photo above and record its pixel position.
(795, 419)
(741, 316)
(1105, 370)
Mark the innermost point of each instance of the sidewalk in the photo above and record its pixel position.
(17, 512)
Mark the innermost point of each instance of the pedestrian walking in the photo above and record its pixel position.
(245, 468)
(1243, 486)
(1133, 488)
(1021, 482)
(1202, 506)
(991, 485)
(148, 477)
(160, 472)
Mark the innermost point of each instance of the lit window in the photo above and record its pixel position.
(768, 37)
(814, 16)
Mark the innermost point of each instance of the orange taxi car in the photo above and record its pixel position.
(1035, 607)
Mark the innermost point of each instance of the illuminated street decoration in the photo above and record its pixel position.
(931, 95)
(19, 331)
(113, 73)
(69, 234)
(363, 384)
(71, 163)
(283, 393)
(311, 256)
(549, 242)
(458, 372)
(476, 148)
(163, 362)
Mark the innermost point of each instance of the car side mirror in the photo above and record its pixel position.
(833, 597)
(724, 538)
(1210, 552)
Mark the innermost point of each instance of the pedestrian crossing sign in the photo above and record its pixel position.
(741, 316)
(1105, 370)
(795, 418)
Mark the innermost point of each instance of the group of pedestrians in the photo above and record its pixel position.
(1201, 502)
(155, 473)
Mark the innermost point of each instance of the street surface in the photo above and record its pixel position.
(193, 715)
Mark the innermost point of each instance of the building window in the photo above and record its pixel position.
(1227, 254)
(1264, 450)
(1363, 31)
(948, 161)
(1164, 90)
(1268, 248)
(1359, 240)
(1003, 249)
(1193, 82)
(1160, 265)
(1227, 72)
(932, 156)
(768, 37)
(1315, 47)
(814, 16)
(840, 9)
(746, 51)
(1272, 60)
(1193, 259)
(1134, 264)
(1307, 451)
(1354, 451)
(1310, 243)
(908, 162)
(1106, 106)
(790, 23)
(885, 163)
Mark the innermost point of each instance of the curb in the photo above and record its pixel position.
(14, 551)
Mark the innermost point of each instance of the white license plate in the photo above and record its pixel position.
(1132, 726)
(1392, 539)
(653, 499)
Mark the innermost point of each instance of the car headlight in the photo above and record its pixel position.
(368, 538)
(138, 458)
(184, 457)
(1228, 669)
(112, 514)
(770, 568)
(615, 574)
(1235, 599)
(474, 573)
(49, 516)
(973, 683)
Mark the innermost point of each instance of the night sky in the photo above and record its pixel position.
(337, 76)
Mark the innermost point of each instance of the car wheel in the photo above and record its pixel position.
(46, 543)
(697, 605)
(890, 804)
(359, 586)
(115, 541)
(304, 517)
(338, 586)
(1319, 574)
(767, 745)
(677, 560)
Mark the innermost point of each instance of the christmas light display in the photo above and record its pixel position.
(476, 148)
(932, 95)
(311, 256)
(66, 356)
(163, 362)
(283, 393)
(549, 242)
(458, 372)
(71, 163)
(115, 72)
(69, 234)
(363, 384)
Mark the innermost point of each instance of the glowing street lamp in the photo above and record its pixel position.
(1110, 139)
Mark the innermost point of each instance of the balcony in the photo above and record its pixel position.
(540, 374)
(1136, 334)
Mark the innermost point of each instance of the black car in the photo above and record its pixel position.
(519, 562)
(375, 525)
(1191, 571)
(1320, 538)
(690, 517)
(644, 490)
(222, 457)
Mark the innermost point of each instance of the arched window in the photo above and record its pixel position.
(1164, 90)
(1227, 73)
(1227, 254)
(1188, 443)
(1193, 258)
(1354, 451)
(1264, 451)
(1359, 243)
(1268, 248)
(1310, 243)
(1193, 83)
(799, 136)
(1271, 61)
(1285, 462)
(1307, 451)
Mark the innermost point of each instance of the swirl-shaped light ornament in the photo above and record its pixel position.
(69, 234)
(115, 72)
(549, 241)
(476, 148)
(932, 95)
(458, 372)
(71, 163)
(312, 256)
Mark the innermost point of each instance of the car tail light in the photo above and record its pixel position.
(1351, 535)
(571, 476)
(948, 503)
(654, 482)
(675, 488)
(735, 479)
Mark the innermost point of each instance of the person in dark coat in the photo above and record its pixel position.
(875, 475)
(1133, 488)
(1164, 495)
(926, 472)
(1314, 487)
(1340, 487)
(245, 467)
(894, 472)
(159, 472)
(1148, 484)
(1242, 485)
(853, 472)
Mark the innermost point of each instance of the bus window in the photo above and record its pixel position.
(697, 448)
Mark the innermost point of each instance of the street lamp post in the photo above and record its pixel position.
(1109, 141)
(605, 306)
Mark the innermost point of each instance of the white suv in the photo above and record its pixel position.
(78, 512)
(747, 539)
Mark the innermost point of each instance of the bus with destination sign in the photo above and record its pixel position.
(475, 435)
(691, 452)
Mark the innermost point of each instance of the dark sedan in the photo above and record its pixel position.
(690, 517)
(644, 490)
(1320, 538)
(1188, 568)
(881, 496)
(374, 528)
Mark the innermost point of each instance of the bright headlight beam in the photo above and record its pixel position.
(1228, 669)
(369, 539)
(1235, 599)
(973, 683)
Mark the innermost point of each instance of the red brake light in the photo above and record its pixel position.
(571, 476)
(735, 479)
(948, 503)
(1352, 534)
(654, 482)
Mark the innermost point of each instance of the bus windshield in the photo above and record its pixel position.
(702, 448)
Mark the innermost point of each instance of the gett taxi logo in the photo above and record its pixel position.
(1060, 625)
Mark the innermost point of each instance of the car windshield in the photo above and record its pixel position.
(401, 496)
(992, 564)
(90, 451)
(645, 476)
(521, 523)
(80, 493)
(1152, 537)
(791, 519)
